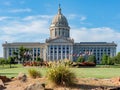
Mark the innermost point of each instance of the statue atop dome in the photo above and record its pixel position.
(59, 10)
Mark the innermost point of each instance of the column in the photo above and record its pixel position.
(107, 51)
(114, 51)
(61, 52)
(36, 53)
(111, 52)
(6, 53)
(70, 53)
(100, 54)
(53, 53)
(49, 53)
(57, 52)
(33, 54)
(96, 55)
(65, 52)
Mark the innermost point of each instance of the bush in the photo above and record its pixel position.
(61, 76)
(34, 73)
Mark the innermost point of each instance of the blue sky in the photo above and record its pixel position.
(29, 20)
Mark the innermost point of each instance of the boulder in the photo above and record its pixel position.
(1, 83)
(100, 88)
(35, 86)
(116, 80)
(5, 79)
(22, 77)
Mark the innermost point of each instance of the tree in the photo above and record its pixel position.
(117, 58)
(24, 54)
(15, 56)
(21, 53)
(105, 59)
(91, 58)
(11, 61)
(81, 59)
(110, 61)
(2, 61)
(39, 59)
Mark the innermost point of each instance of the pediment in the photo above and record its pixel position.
(60, 40)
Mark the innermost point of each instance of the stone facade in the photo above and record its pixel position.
(60, 46)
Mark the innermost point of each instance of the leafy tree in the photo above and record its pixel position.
(81, 59)
(15, 56)
(2, 61)
(11, 61)
(39, 59)
(105, 59)
(23, 54)
(117, 58)
(110, 61)
(91, 58)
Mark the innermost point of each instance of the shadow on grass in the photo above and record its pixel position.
(8, 67)
(8, 74)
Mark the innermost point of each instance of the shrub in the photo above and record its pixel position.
(34, 73)
(61, 75)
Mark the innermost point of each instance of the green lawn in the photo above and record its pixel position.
(96, 72)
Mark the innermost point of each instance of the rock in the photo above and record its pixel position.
(35, 86)
(1, 83)
(5, 79)
(22, 77)
(116, 80)
(100, 88)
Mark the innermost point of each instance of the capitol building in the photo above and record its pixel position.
(60, 45)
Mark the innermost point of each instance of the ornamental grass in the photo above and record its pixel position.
(33, 73)
(61, 76)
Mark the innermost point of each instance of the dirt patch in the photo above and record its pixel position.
(81, 84)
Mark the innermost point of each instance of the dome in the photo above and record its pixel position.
(59, 20)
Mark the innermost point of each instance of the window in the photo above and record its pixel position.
(55, 33)
(59, 32)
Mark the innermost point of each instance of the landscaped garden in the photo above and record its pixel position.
(87, 78)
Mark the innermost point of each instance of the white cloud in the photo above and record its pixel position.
(82, 18)
(72, 16)
(100, 34)
(75, 16)
(3, 18)
(34, 29)
(95, 34)
(38, 17)
(20, 10)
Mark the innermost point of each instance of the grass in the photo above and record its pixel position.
(61, 75)
(33, 73)
(98, 72)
